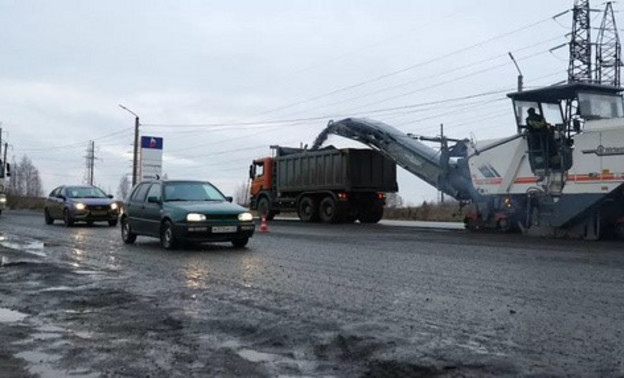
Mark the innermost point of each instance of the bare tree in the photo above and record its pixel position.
(123, 188)
(25, 180)
(393, 200)
(241, 194)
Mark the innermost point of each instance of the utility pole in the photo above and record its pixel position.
(90, 162)
(4, 160)
(443, 146)
(1, 147)
(135, 157)
(608, 50)
(580, 64)
(520, 76)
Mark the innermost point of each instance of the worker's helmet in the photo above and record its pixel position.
(531, 111)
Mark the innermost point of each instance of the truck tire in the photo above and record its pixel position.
(264, 208)
(371, 215)
(328, 210)
(308, 210)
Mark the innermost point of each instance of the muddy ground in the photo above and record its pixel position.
(307, 300)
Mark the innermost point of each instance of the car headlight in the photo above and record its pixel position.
(80, 206)
(245, 217)
(2, 199)
(114, 206)
(194, 217)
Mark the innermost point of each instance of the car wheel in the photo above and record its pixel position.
(67, 218)
(167, 236)
(112, 223)
(240, 243)
(127, 235)
(47, 217)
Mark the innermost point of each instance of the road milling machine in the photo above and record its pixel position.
(565, 180)
(560, 175)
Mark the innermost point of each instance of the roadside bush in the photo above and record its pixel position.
(440, 212)
(25, 203)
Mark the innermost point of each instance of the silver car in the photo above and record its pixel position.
(80, 204)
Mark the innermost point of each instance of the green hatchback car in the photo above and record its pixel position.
(184, 211)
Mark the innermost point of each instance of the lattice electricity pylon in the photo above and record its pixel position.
(608, 50)
(580, 67)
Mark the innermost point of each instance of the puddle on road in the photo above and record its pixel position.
(255, 356)
(31, 246)
(88, 272)
(298, 365)
(10, 316)
(57, 288)
(41, 364)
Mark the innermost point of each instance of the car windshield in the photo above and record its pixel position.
(192, 191)
(85, 192)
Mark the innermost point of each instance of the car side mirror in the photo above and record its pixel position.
(60, 196)
(153, 199)
(229, 198)
(110, 196)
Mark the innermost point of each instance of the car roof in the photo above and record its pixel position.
(174, 181)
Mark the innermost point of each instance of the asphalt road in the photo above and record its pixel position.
(308, 300)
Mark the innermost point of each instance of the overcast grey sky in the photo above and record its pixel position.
(66, 65)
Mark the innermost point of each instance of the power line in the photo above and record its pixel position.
(405, 69)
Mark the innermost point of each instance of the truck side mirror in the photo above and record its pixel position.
(8, 170)
(252, 171)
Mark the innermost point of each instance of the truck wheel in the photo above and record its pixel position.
(371, 215)
(264, 208)
(619, 231)
(308, 210)
(328, 211)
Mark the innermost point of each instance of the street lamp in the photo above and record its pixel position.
(135, 162)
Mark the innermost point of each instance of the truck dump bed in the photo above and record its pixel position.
(346, 169)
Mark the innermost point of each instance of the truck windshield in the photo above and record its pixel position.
(600, 106)
(192, 191)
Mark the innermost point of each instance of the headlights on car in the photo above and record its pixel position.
(194, 217)
(245, 217)
(114, 206)
(2, 199)
(80, 206)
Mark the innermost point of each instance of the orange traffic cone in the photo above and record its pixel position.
(263, 224)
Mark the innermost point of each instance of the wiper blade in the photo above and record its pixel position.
(175, 199)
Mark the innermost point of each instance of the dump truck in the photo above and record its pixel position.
(329, 184)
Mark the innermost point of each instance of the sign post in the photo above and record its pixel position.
(151, 158)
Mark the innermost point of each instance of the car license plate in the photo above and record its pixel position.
(98, 213)
(223, 229)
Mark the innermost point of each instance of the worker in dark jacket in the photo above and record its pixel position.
(541, 140)
(535, 121)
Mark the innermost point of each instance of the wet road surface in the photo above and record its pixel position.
(308, 300)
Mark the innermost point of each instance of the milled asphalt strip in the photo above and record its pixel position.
(402, 223)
